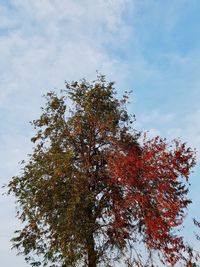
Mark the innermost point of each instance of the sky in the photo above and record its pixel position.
(151, 47)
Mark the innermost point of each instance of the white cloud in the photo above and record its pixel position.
(57, 40)
(190, 130)
(51, 41)
(171, 125)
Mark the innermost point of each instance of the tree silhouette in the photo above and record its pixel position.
(91, 191)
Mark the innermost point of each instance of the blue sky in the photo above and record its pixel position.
(149, 46)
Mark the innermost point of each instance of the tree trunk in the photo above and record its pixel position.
(92, 257)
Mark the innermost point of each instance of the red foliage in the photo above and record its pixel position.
(148, 191)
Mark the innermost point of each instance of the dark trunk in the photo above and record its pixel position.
(92, 258)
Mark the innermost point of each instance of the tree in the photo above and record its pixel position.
(91, 190)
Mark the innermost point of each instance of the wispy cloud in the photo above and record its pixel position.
(43, 43)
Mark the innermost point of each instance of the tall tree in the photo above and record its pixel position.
(90, 190)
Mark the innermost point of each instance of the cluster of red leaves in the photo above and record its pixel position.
(149, 190)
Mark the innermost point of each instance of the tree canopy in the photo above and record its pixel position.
(91, 190)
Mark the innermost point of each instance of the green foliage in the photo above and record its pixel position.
(60, 190)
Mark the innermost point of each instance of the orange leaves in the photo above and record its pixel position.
(152, 189)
